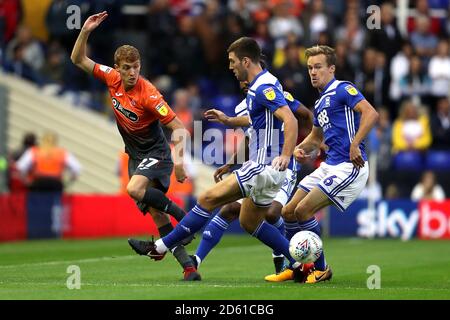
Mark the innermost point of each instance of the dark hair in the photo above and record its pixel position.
(246, 47)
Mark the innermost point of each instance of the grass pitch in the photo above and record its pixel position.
(234, 270)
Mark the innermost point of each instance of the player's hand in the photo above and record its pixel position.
(301, 155)
(180, 173)
(281, 162)
(219, 173)
(94, 21)
(215, 115)
(356, 156)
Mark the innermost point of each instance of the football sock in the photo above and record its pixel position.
(157, 199)
(211, 236)
(179, 252)
(191, 223)
(313, 226)
(280, 226)
(292, 227)
(270, 236)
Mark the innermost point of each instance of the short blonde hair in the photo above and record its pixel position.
(329, 53)
(126, 53)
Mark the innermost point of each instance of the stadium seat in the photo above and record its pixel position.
(437, 160)
(408, 160)
(226, 103)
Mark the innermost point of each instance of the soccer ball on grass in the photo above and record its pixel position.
(305, 247)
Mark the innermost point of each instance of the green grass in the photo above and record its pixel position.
(234, 270)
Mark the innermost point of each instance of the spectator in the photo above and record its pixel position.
(283, 23)
(428, 189)
(32, 52)
(399, 68)
(293, 75)
(181, 106)
(411, 130)
(353, 35)
(423, 41)
(316, 21)
(383, 134)
(439, 70)
(15, 180)
(415, 85)
(46, 163)
(422, 8)
(387, 39)
(344, 69)
(54, 69)
(440, 125)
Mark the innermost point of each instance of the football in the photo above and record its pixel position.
(305, 247)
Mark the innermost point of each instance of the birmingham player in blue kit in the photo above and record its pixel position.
(342, 118)
(259, 179)
(230, 212)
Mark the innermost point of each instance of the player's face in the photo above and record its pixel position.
(237, 67)
(319, 71)
(129, 72)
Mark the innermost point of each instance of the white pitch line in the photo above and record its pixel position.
(62, 262)
(202, 284)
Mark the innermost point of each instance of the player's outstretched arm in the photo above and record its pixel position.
(179, 136)
(290, 137)
(369, 117)
(78, 55)
(310, 145)
(215, 115)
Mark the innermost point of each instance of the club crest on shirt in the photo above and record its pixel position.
(162, 109)
(269, 93)
(351, 90)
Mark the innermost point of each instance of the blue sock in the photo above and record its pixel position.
(191, 223)
(280, 226)
(313, 226)
(211, 236)
(291, 229)
(270, 236)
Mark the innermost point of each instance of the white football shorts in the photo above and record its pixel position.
(342, 183)
(259, 182)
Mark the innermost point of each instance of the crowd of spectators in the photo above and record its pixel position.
(402, 67)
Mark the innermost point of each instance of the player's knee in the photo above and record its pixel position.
(273, 215)
(302, 212)
(288, 214)
(134, 191)
(207, 200)
(230, 212)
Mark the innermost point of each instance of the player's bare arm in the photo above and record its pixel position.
(290, 137)
(215, 115)
(369, 117)
(309, 145)
(179, 135)
(78, 55)
(306, 116)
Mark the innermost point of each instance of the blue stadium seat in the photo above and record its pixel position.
(226, 103)
(438, 160)
(408, 160)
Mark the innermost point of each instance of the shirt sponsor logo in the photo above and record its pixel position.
(270, 94)
(162, 109)
(351, 90)
(127, 113)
